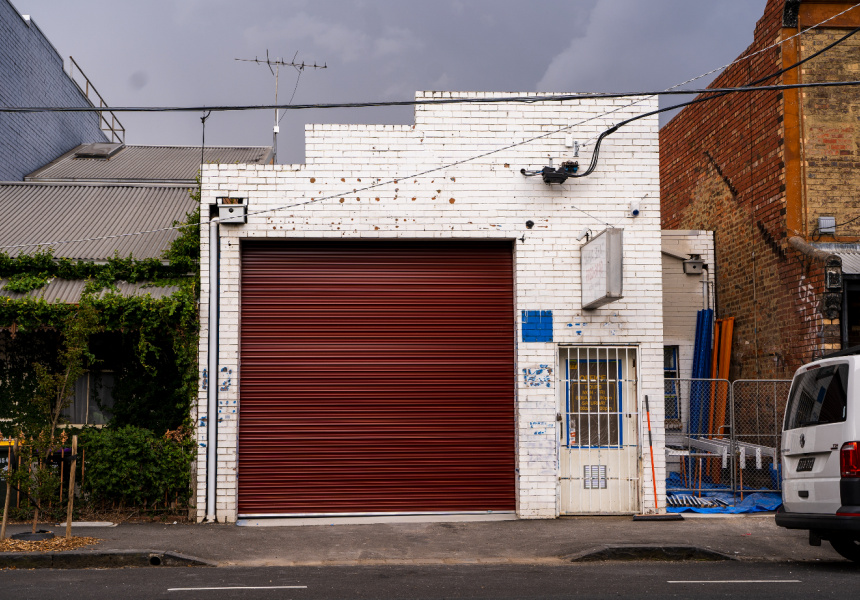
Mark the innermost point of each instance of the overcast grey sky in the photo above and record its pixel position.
(181, 52)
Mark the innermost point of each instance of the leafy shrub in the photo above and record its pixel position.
(134, 466)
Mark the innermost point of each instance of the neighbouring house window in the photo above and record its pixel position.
(93, 399)
(671, 384)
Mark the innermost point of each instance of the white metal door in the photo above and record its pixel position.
(599, 449)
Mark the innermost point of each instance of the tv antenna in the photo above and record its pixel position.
(277, 64)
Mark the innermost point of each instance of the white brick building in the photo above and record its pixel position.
(382, 190)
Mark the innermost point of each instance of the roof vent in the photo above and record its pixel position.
(98, 150)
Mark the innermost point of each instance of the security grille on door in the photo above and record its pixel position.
(593, 402)
(599, 437)
(595, 477)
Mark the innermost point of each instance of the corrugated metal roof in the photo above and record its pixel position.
(39, 213)
(850, 261)
(148, 163)
(69, 291)
(849, 253)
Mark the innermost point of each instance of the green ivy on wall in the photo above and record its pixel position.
(151, 342)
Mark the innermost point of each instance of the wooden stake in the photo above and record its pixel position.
(36, 500)
(62, 468)
(14, 452)
(72, 486)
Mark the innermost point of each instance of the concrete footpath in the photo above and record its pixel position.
(750, 538)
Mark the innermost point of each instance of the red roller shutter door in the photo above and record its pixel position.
(376, 377)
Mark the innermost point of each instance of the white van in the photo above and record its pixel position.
(821, 453)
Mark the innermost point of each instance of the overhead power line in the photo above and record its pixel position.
(740, 59)
(714, 94)
(488, 100)
(449, 165)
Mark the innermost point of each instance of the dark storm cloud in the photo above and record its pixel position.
(375, 50)
(630, 47)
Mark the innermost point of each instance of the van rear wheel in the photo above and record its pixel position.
(847, 547)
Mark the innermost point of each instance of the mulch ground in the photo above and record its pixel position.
(56, 544)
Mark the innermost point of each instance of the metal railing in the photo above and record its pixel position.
(724, 436)
(112, 126)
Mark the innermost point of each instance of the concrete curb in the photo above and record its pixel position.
(648, 552)
(114, 559)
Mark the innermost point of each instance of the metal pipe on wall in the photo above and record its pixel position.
(212, 365)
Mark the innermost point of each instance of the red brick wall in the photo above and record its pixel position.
(722, 168)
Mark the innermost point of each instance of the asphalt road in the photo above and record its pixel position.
(759, 581)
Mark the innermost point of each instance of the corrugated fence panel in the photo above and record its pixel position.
(376, 377)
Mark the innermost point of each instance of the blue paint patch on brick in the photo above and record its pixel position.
(537, 325)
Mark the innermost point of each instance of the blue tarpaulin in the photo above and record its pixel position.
(752, 502)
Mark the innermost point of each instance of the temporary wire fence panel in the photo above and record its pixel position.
(759, 409)
(698, 437)
(376, 377)
(599, 450)
(726, 436)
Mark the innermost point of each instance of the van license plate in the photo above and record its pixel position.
(805, 464)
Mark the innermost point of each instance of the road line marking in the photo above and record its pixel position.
(739, 581)
(239, 587)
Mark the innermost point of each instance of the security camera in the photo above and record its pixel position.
(634, 208)
(582, 234)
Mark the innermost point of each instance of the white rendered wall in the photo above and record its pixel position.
(484, 198)
(684, 295)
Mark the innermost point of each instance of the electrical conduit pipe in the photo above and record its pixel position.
(212, 360)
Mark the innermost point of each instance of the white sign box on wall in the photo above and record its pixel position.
(602, 268)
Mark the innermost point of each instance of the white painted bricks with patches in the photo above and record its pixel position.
(486, 198)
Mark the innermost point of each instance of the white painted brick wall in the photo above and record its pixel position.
(485, 198)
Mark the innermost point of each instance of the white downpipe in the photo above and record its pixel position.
(212, 389)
